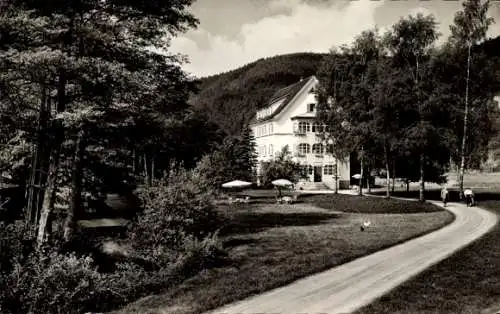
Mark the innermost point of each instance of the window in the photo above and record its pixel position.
(264, 129)
(329, 148)
(264, 151)
(311, 107)
(310, 169)
(316, 128)
(304, 127)
(330, 170)
(271, 128)
(317, 149)
(304, 148)
(271, 152)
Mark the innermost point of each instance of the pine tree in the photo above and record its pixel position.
(88, 61)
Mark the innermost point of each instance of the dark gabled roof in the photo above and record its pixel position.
(286, 94)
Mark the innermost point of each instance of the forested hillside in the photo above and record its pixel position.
(232, 98)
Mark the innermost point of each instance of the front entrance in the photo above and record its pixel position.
(317, 173)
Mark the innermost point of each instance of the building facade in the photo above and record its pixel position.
(288, 119)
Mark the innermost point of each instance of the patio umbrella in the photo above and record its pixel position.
(236, 184)
(280, 183)
(357, 176)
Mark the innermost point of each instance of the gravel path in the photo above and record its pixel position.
(350, 286)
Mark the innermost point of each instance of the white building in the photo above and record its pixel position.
(289, 119)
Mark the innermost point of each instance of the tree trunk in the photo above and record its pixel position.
(134, 161)
(368, 186)
(464, 136)
(152, 168)
(387, 174)
(407, 185)
(421, 118)
(422, 182)
(336, 178)
(45, 223)
(360, 192)
(393, 176)
(74, 207)
(39, 165)
(368, 181)
(147, 170)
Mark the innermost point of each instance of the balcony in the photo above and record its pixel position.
(319, 155)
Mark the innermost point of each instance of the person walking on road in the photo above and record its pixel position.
(445, 195)
(469, 197)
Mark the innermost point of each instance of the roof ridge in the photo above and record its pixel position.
(280, 93)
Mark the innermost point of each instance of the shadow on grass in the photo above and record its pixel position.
(244, 223)
(230, 243)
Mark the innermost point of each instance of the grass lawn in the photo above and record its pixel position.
(467, 282)
(272, 245)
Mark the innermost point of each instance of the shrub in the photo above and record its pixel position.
(281, 167)
(15, 244)
(51, 284)
(131, 281)
(173, 212)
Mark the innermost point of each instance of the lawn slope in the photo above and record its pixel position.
(272, 245)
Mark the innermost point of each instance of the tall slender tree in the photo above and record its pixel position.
(469, 28)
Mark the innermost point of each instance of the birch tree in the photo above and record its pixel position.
(469, 28)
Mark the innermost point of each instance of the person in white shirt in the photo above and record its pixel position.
(445, 195)
(469, 197)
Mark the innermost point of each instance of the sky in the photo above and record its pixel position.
(232, 33)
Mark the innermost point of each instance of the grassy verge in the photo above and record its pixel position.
(272, 245)
(467, 282)
(367, 204)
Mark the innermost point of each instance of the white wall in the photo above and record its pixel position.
(285, 125)
(283, 128)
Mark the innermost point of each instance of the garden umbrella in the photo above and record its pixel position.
(236, 184)
(280, 183)
(357, 176)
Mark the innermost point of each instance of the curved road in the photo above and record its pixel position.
(348, 287)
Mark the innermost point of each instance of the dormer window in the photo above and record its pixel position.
(311, 107)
